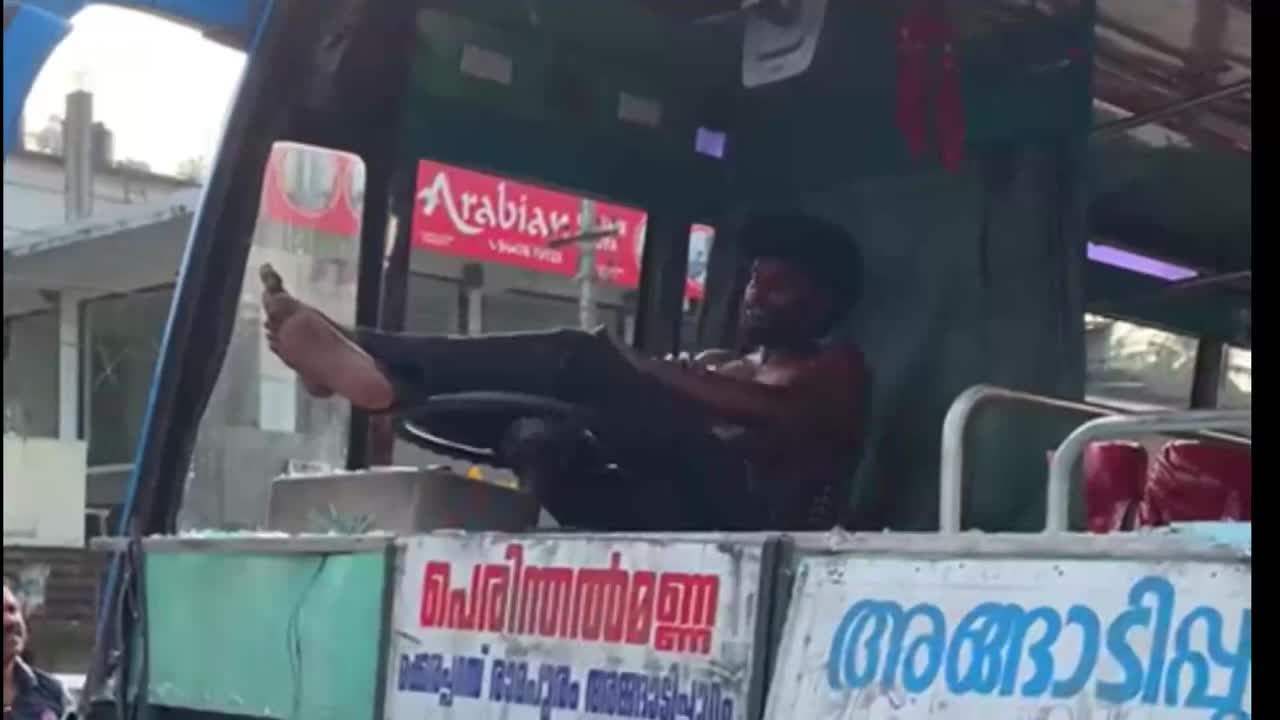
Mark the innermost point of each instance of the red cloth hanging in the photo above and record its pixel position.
(912, 56)
(928, 70)
(949, 101)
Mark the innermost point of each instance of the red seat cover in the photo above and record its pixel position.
(1114, 473)
(1192, 480)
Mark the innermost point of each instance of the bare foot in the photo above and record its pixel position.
(278, 303)
(313, 388)
(324, 358)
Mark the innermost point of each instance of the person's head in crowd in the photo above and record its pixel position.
(15, 626)
(28, 692)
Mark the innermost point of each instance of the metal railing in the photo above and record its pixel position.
(956, 426)
(1124, 426)
(955, 429)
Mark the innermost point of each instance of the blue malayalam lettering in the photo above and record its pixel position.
(996, 644)
(635, 695)
(983, 633)
(1188, 661)
(552, 687)
(1140, 679)
(1090, 631)
(1039, 651)
(428, 673)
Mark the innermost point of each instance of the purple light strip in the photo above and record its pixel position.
(1133, 262)
(710, 142)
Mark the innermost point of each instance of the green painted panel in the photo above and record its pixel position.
(281, 636)
(1007, 467)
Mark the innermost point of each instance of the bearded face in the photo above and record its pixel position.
(15, 627)
(781, 305)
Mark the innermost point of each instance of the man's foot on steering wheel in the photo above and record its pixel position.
(325, 359)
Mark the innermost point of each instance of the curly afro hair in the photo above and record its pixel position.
(820, 248)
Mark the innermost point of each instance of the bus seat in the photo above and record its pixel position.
(1005, 473)
(1193, 480)
(1114, 475)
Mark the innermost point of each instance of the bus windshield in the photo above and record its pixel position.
(480, 260)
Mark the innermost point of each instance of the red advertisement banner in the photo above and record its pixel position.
(314, 188)
(490, 219)
(482, 217)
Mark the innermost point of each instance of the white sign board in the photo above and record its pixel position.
(1005, 639)
(539, 627)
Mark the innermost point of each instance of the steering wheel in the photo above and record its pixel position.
(472, 426)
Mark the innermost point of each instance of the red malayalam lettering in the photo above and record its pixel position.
(675, 612)
(687, 605)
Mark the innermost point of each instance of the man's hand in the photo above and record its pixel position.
(714, 358)
(818, 399)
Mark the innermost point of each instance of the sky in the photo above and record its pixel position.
(161, 88)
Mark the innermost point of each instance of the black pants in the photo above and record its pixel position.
(675, 474)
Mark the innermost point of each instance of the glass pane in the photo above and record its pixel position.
(261, 421)
(1138, 366)
(701, 238)
(1236, 392)
(513, 312)
(492, 255)
(31, 375)
(122, 342)
(434, 306)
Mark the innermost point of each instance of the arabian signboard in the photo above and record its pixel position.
(482, 217)
(478, 216)
(514, 627)
(879, 637)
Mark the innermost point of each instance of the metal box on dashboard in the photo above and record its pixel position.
(396, 500)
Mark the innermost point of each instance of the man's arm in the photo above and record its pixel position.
(739, 401)
(822, 398)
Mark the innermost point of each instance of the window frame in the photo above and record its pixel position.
(1131, 405)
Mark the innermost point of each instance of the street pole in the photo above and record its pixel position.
(587, 268)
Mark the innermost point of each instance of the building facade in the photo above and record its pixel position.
(64, 281)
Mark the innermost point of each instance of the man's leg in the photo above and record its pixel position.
(423, 366)
(380, 371)
(676, 473)
(668, 488)
(684, 472)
